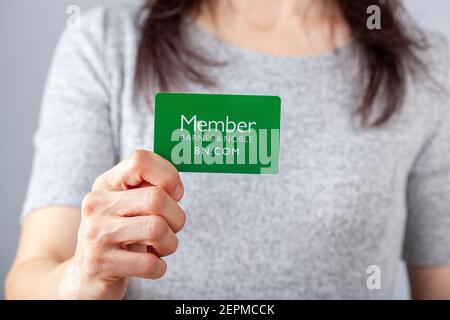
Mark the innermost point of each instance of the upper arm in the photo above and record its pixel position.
(427, 237)
(75, 141)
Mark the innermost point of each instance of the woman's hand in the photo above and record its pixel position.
(128, 222)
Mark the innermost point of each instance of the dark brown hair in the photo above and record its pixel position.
(389, 54)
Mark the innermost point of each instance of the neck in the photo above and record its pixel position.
(289, 26)
(273, 14)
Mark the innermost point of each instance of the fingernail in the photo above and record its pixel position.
(178, 192)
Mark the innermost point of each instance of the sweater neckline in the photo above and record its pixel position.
(220, 48)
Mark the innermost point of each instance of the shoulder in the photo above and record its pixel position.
(106, 39)
(436, 56)
(438, 45)
(112, 20)
(103, 27)
(432, 82)
(432, 89)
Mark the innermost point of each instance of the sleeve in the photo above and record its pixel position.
(427, 236)
(74, 140)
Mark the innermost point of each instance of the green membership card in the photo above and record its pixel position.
(218, 133)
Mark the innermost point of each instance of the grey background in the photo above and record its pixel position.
(29, 30)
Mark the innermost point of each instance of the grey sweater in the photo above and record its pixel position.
(345, 198)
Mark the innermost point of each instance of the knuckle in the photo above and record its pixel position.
(157, 199)
(148, 266)
(95, 232)
(98, 181)
(151, 266)
(173, 248)
(95, 262)
(171, 177)
(163, 272)
(138, 157)
(155, 228)
(181, 221)
(92, 202)
(176, 178)
(91, 231)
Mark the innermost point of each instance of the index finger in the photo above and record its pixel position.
(142, 167)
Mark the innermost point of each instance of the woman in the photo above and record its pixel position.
(364, 175)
